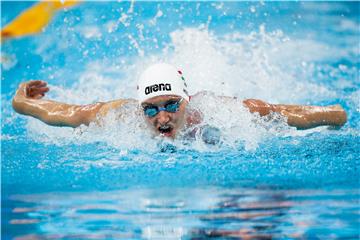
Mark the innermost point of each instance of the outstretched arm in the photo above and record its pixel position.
(28, 101)
(302, 117)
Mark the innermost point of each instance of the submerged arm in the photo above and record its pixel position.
(302, 117)
(28, 101)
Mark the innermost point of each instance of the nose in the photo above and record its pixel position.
(163, 117)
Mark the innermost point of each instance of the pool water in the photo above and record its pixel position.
(262, 180)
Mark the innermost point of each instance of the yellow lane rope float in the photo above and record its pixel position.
(33, 20)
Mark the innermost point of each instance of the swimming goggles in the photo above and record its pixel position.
(170, 106)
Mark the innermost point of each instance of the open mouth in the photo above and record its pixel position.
(165, 129)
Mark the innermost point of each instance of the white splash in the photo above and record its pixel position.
(91, 32)
(158, 14)
(256, 65)
(8, 61)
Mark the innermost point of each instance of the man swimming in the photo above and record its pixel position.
(163, 98)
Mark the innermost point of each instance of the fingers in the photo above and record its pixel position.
(36, 89)
(36, 83)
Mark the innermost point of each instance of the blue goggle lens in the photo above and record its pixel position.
(151, 111)
(172, 107)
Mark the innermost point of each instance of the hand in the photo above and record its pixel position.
(259, 106)
(34, 89)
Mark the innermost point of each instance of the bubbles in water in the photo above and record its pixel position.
(252, 9)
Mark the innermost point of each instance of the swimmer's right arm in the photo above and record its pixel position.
(28, 101)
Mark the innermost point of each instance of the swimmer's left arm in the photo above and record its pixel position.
(301, 117)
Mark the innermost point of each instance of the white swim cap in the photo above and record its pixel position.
(161, 79)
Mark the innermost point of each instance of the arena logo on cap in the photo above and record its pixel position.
(157, 87)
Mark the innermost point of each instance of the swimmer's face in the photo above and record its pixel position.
(164, 122)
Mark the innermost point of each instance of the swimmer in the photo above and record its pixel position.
(163, 98)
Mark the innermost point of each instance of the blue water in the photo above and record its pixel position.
(264, 180)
